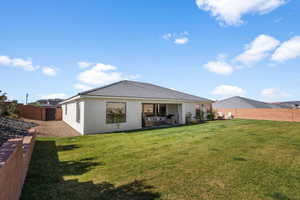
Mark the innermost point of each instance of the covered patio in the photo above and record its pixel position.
(155, 114)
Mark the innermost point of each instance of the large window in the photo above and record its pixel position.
(78, 112)
(115, 113)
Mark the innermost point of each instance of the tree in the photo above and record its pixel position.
(3, 98)
(7, 108)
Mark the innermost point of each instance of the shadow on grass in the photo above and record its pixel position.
(239, 159)
(279, 196)
(148, 129)
(45, 179)
(67, 147)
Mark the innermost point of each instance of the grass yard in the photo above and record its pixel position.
(237, 159)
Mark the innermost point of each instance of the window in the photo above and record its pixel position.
(66, 109)
(115, 113)
(78, 112)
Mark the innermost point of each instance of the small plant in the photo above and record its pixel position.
(200, 115)
(212, 114)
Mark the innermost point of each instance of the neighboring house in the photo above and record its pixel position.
(242, 102)
(129, 105)
(291, 104)
(48, 102)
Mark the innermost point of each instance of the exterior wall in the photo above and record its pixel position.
(95, 115)
(15, 156)
(70, 117)
(264, 113)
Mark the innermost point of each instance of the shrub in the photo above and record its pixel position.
(211, 115)
(8, 108)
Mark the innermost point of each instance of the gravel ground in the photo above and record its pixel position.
(53, 129)
(13, 128)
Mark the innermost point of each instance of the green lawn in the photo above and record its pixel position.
(237, 159)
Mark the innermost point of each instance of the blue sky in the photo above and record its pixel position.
(214, 50)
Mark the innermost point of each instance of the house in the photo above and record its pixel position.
(48, 102)
(242, 102)
(291, 104)
(130, 105)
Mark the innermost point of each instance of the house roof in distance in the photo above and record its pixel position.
(291, 104)
(242, 102)
(134, 89)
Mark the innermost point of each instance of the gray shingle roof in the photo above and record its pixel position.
(135, 89)
(241, 102)
(291, 104)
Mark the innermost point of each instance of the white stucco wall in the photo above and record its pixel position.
(95, 115)
(70, 117)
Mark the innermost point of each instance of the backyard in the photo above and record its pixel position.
(235, 159)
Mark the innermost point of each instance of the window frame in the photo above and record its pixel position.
(112, 102)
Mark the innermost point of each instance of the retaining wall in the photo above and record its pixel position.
(15, 156)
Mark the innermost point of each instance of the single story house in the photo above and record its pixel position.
(129, 105)
(291, 104)
(242, 102)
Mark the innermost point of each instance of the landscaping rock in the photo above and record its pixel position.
(13, 128)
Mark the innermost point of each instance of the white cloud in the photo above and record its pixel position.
(18, 62)
(257, 50)
(219, 67)
(81, 87)
(102, 74)
(53, 96)
(167, 36)
(182, 40)
(49, 71)
(177, 38)
(288, 50)
(274, 93)
(230, 12)
(84, 64)
(26, 64)
(228, 90)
